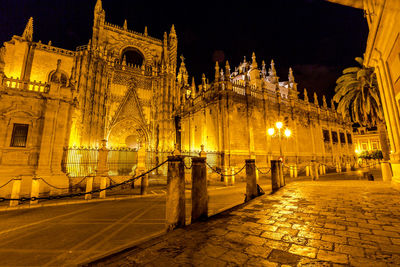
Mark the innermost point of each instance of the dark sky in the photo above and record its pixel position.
(316, 38)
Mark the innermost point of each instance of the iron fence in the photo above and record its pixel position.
(122, 161)
(79, 161)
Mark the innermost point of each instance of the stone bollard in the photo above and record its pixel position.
(275, 175)
(16, 189)
(89, 186)
(316, 167)
(348, 167)
(175, 204)
(321, 169)
(337, 167)
(257, 176)
(233, 176)
(291, 171)
(144, 183)
(199, 189)
(251, 182)
(35, 190)
(103, 184)
(282, 181)
(312, 170)
(307, 170)
(295, 171)
(324, 169)
(224, 177)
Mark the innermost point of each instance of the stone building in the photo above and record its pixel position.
(366, 139)
(123, 87)
(231, 117)
(383, 53)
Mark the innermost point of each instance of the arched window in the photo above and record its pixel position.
(132, 56)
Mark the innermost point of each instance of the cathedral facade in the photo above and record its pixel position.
(124, 87)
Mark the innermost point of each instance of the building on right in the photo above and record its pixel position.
(383, 53)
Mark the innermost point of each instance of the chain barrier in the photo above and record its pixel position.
(9, 181)
(264, 173)
(23, 199)
(214, 170)
(59, 188)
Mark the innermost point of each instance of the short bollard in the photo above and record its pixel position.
(312, 170)
(324, 169)
(233, 176)
(144, 183)
(291, 171)
(348, 167)
(251, 183)
(275, 175)
(307, 170)
(316, 171)
(199, 189)
(282, 181)
(16, 189)
(225, 177)
(295, 171)
(175, 204)
(103, 185)
(35, 190)
(337, 167)
(340, 167)
(89, 186)
(321, 169)
(257, 175)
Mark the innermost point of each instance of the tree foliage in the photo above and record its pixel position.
(358, 95)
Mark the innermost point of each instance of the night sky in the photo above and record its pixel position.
(316, 38)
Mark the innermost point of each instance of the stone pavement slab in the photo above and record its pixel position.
(323, 223)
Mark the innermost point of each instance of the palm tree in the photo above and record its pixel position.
(357, 93)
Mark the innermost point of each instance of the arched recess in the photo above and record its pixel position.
(64, 77)
(128, 133)
(133, 56)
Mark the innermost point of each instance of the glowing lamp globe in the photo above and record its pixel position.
(279, 125)
(271, 131)
(288, 132)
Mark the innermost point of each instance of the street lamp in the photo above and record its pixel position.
(287, 132)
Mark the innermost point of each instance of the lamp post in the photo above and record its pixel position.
(287, 132)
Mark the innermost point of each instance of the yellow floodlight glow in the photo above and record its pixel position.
(288, 133)
(271, 131)
(279, 125)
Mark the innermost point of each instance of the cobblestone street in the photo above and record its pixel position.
(325, 223)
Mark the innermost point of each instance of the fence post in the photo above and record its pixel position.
(275, 175)
(291, 171)
(199, 189)
(89, 186)
(324, 169)
(257, 176)
(251, 182)
(35, 189)
(348, 167)
(308, 170)
(233, 176)
(295, 171)
(225, 176)
(103, 184)
(316, 167)
(281, 176)
(16, 189)
(175, 204)
(312, 170)
(102, 168)
(141, 168)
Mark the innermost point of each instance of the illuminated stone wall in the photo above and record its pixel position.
(231, 116)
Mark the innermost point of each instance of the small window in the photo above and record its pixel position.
(349, 140)
(19, 135)
(342, 138)
(334, 137)
(326, 136)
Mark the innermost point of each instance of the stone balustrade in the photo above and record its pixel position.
(16, 83)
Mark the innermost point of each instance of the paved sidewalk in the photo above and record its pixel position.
(324, 223)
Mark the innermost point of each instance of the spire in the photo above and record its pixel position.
(172, 32)
(193, 94)
(183, 74)
(28, 32)
(98, 6)
(227, 69)
(124, 61)
(272, 71)
(315, 99)
(305, 95)
(125, 25)
(254, 62)
(145, 30)
(324, 104)
(217, 71)
(263, 70)
(291, 77)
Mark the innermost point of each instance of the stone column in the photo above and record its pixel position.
(251, 185)
(233, 176)
(35, 189)
(102, 168)
(175, 204)
(275, 183)
(199, 189)
(15, 190)
(89, 186)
